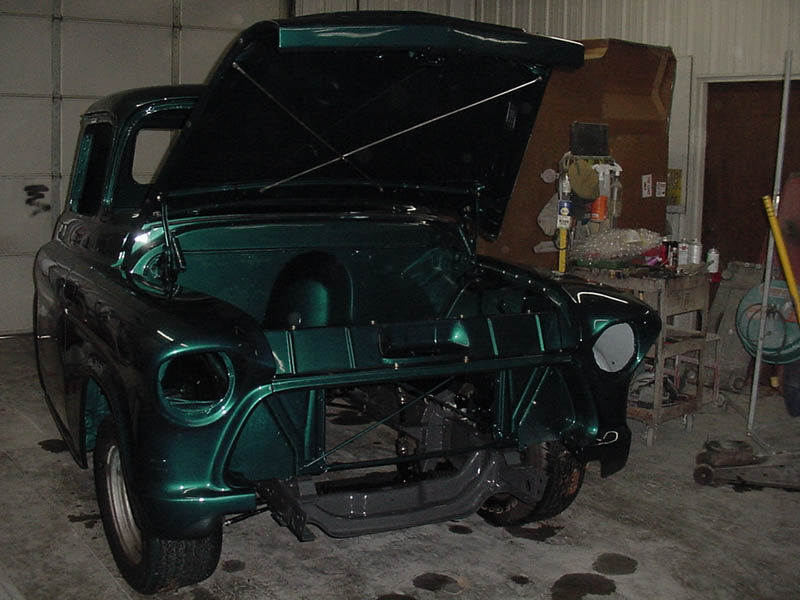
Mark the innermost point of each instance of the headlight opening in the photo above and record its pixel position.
(615, 348)
(195, 388)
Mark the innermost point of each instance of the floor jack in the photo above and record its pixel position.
(736, 462)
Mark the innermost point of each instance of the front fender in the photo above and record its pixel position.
(130, 333)
(597, 308)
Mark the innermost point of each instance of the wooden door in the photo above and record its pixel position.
(742, 128)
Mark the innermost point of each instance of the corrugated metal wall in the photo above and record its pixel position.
(724, 36)
(56, 58)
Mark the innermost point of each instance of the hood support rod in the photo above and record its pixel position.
(391, 136)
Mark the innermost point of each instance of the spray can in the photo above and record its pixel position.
(683, 252)
(672, 254)
(712, 261)
(695, 253)
(663, 251)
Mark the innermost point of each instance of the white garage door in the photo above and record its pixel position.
(56, 58)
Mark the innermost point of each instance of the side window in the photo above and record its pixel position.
(151, 146)
(145, 148)
(90, 168)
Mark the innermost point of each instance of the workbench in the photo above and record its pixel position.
(670, 294)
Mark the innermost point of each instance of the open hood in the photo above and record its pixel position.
(347, 110)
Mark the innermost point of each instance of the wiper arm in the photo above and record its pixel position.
(299, 121)
(391, 136)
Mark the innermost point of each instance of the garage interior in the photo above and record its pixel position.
(691, 93)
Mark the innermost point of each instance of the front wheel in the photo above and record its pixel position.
(565, 474)
(147, 562)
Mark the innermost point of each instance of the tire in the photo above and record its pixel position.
(565, 474)
(147, 562)
(704, 474)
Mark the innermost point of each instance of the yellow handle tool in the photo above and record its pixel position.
(562, 250)
(782, 254)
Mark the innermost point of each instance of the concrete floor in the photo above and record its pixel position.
(647, 532)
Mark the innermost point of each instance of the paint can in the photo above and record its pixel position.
(695, 256)
(712, 261)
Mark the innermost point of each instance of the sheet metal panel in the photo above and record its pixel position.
(233, 14)
(463, 9)
(311, 7)
(25, 136)
(100, 58)
(26, 213)
(141, 11)
(27, 7)
(26, 43)
(199, 51)
(16, 289)
(594, 23)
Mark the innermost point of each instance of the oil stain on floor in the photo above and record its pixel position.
(54, 446)
(537, 534)
(89, 521)
(575, 586)
(436, 582)
(615, 564)
(200, 593)
(460, 529)
(520, 579)
(233, 565)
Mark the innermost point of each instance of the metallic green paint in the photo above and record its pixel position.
(302, 302)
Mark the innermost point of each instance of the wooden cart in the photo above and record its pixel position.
(670, 296)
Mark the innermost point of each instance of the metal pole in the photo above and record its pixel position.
(776, 199)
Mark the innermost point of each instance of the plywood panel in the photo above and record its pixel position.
(604, 90)
(101, 58)
(25, 51)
